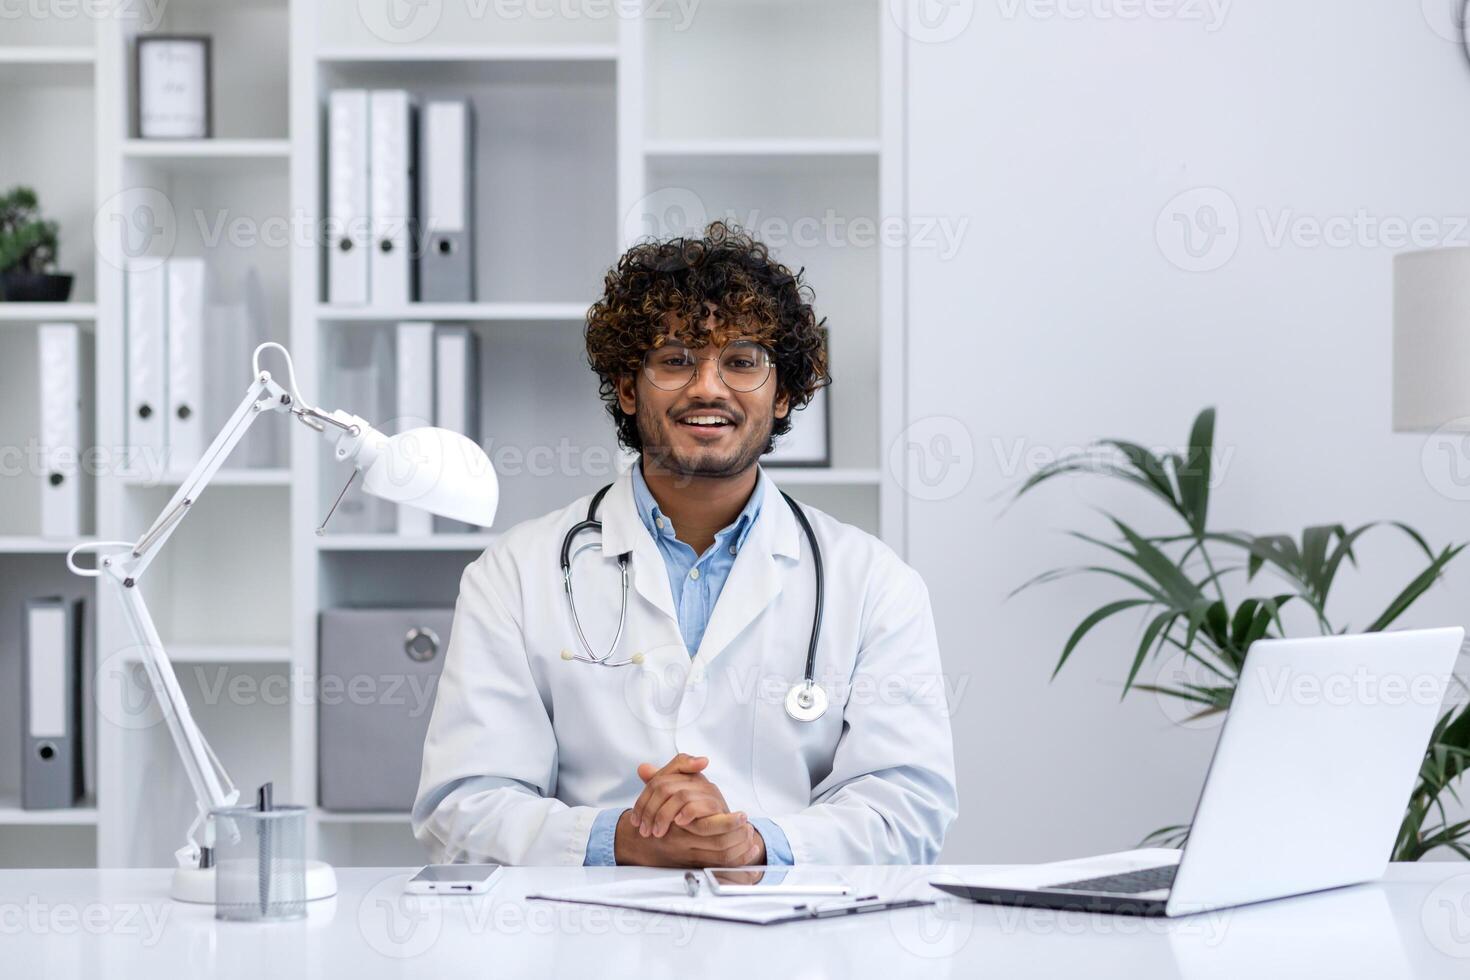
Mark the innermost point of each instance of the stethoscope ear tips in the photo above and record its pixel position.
(566, 655)
(637, 658)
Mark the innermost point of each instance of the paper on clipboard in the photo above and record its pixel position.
(669, 896)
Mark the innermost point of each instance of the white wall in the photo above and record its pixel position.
(1062, 318)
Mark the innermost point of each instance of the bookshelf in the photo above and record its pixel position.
(589, 124)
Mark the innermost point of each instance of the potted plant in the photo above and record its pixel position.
(28, 252)
(1183, 583)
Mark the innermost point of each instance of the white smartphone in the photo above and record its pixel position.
(453, 879)
(776, 881)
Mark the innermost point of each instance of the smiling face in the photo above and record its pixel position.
(706, 428)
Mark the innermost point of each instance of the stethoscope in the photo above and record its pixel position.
(806, 701)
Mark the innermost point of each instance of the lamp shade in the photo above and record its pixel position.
(1431, 340)
(436, 470)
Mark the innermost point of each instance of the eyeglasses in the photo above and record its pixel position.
(743, 365)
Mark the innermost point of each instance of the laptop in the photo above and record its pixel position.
(1307, 788)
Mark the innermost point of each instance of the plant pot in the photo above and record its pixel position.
(17, 286)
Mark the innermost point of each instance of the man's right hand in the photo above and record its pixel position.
(720, 841)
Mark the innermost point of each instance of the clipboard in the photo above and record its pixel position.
(668, 896)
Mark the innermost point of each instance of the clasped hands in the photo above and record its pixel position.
(681, 820)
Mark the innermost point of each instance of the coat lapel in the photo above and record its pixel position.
(623, 530)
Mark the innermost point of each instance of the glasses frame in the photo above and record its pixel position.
(719, 371)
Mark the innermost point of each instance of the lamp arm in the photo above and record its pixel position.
(210, 782)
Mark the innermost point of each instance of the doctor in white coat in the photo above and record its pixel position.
(678, 749)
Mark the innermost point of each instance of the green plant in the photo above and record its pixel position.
(1180, 584)
(27, 242)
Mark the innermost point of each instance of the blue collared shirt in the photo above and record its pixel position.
(695, 582)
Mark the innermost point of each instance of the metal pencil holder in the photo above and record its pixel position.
(260, 862)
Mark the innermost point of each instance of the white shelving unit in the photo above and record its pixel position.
(586, 126)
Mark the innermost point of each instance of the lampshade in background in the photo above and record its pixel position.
(436, 470)
(1431, 340)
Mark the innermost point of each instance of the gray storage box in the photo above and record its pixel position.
(379, 674)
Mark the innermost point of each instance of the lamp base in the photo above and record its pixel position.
(196, 885)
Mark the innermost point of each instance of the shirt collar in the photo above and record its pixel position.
(733, 535)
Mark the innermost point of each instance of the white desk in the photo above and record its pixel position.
(61, 924)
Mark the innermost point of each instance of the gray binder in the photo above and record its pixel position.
(447, 202)
(51, 704)
(379, 674)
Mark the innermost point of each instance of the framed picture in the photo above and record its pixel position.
(171, 94)
(809, 443)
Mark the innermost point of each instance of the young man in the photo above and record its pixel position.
(655, 725)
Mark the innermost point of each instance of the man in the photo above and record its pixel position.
(673, 746)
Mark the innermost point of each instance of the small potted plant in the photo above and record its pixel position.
(28, 252)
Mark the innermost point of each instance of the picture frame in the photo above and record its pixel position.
(173, 86)
(809, 442)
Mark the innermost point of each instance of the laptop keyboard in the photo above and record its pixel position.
(1128, 883)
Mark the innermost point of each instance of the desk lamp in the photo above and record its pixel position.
(435, 469)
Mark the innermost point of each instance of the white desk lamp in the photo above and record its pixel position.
(435, 469)
(1431, 340)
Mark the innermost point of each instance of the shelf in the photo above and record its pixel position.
(46, 65)
(775, 148)
(46, 312)
(11, 815)
(47, 54)
(824, 476)
(224, 653)
(480, 312)
(405, 542)
(365, 816)
(478, 53)
(240, 477)
(253, 149)
(21, 544)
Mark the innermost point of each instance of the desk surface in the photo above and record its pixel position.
(56, 924)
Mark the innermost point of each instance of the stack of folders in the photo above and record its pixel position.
(165, 383)
(438, 384)
(64, 370)
(51, 704)
(400, 202)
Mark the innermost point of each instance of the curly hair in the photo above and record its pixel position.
(667, 289)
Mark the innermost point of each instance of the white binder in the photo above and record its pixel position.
(187, 437)
(415, 404)
(65, 369)
(446, 182)
(456, 394)
(347, 197)
(147, 366)
(391, 170)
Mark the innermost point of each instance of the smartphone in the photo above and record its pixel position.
(776, 881)
(453, 879)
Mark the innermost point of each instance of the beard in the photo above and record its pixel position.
(656, 433)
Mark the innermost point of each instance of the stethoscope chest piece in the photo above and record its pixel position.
(806, 701)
